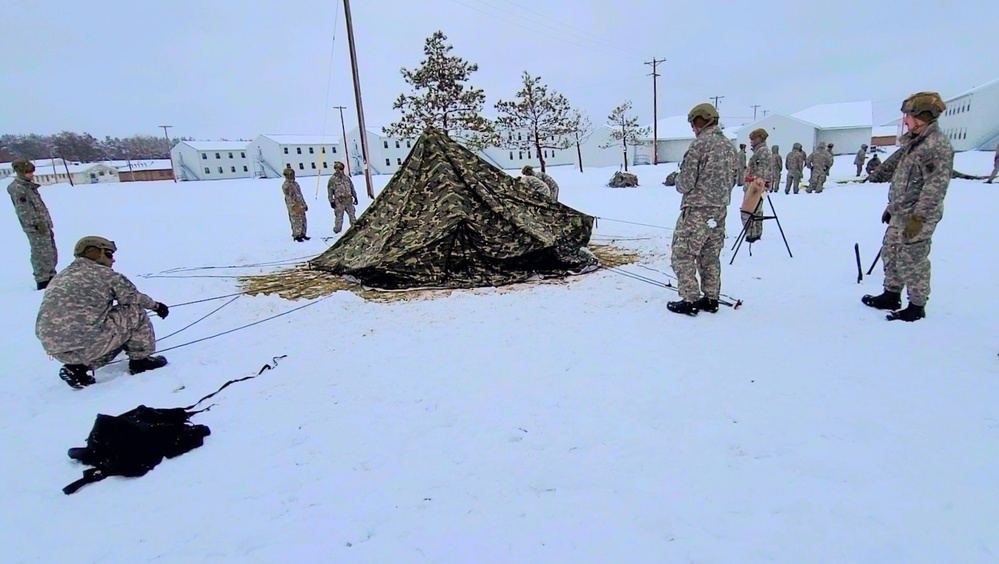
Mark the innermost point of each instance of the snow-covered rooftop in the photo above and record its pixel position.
(973, 90)
(141, 164)
(884, 131)
(303, 139)
(832, 116)
(216, 145)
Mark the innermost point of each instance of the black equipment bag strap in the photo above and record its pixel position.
(89, 477)
(263, 369)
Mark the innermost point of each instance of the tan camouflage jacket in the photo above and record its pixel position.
(293, 195)
(920, 173)
(31, 210)
(778, 165)
(340, 189)
(549, 181)
(536, 184)
(742, 162)
(708, 171)
(861, 158)
(820, 160)
(761, 164)
(76, 304)
(795, 162)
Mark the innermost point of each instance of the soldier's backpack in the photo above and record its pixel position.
(133, 443)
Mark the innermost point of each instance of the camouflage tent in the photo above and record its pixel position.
(448, 219)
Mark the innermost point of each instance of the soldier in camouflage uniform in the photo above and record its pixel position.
(995, 167)
(795, 163)
(873, 164)
(760, 168)
(536, 184)
(35, 221)
(742, 164)
(707, 175)
(90, 313)
(342, 197)
(820, 162)
(548, 180)
(296, 205)
(860, 159)
(920, 173)
(778, 169)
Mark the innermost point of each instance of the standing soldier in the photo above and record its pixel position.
(861, 157)
(90, 313)
(707, 176)
(820, 161)
(760, 168)
(296, 205)
(995, 167)
(920, 173)
(35, 221)
(742, 163)
(778, 169)
(795, 167)
(548, 180)
(535, 183)
(342, 197)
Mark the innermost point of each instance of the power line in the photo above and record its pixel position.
(716, 99)
(654, 63)
(754, 106)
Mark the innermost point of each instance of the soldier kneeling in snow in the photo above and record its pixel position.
(80, 323)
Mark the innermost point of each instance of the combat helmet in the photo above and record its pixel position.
(926, 106)
(93, 241)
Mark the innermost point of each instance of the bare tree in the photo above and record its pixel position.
(544, 115)
(625, 130)
(581, 130)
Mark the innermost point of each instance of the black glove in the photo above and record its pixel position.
(332, 205)
(886, 217)
(161, 310)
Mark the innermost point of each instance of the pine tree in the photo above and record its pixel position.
(580, 132)
(625, 130)
(440, 98)
(544, 115)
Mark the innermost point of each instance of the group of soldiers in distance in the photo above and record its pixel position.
(90, 313)
(920, 173)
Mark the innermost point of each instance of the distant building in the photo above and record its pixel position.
(674, 136)
(58, 171)
(884, 136)
(143, 170)
(210, 160)
(847, 126)
(308, 155)
(971, 120)
(386, 153)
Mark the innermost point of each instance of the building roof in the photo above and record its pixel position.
(141, 164)
(836, 116)
(973, 90)
(755, 124)
(675, 128)
(216, 145)
(885, 131)
(303, 139)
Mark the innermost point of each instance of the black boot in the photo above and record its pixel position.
(77, 376)
(687, 308)
(43, 284)
(138, 365)
(911, 313)
(707, 304)
(887, 300)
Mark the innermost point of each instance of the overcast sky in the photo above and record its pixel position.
(215, 69)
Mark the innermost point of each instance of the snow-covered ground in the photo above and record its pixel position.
(554, 423)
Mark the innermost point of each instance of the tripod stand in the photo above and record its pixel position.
(753, 217)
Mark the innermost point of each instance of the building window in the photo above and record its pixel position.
(220, 170)
(312, 151)
(204, 156)
(511, 155)
(230, 155)
(218, 156)
(324, 150)
(385, 143)
(334, 149)
(313, 163)
(398, 161)
(242, 155)
(287, 165)
(407, 143)
(301, 166)
(324, 165)
(286, 150)
(396, 144)
(518, 137)
(245, 169)
(207, 171)
(520, 155)
(388, 162)
(101, 173)
(233, 168)
(298, 150)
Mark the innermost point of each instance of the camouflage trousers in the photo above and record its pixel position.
(697, 245)
(754, 232)
(43, 254)
(299, 223)
(860, 169)
(338, 211)
(816, 182)
(127, 328)
(775, 184)
(907, 263)
(793, 182)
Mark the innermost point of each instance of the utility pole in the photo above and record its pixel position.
(765, 112)
(754, 110)
(363, 131)
(655, 108)
(343, 128)
(716, 99)
(166, 134)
